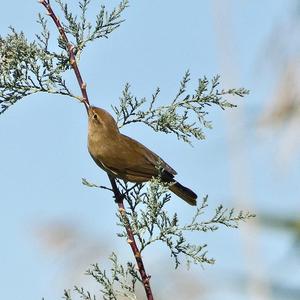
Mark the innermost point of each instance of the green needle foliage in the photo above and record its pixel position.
(148, 216)
(120, 283)
(151, 222)
(83, 31)
(184, 116)
(28, 67)
(31, 67)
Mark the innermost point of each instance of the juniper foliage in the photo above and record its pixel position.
(31, 67)
(185, 115)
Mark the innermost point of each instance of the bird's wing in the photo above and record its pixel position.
(150, 159)
(133, 161)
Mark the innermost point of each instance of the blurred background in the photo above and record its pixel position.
(53, 228)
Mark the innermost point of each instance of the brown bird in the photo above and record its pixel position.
(125, 158)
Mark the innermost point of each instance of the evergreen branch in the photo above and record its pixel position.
(44, 37)
(83, 31)
(107, 22)
(26, 68)
(151, 222)
(185, 116)
(145, 279)
(70, 48)
(119, 282)
(86, 183)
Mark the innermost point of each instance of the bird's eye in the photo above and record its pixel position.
(95, 116)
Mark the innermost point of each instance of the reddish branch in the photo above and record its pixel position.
(131, 240)
(119, 198)
(70, 47)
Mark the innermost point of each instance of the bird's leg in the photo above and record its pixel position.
(118, 196)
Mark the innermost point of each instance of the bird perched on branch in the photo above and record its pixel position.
(125, 158)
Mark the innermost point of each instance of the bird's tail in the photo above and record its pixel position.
(184, 193)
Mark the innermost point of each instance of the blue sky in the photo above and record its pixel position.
(43, 138)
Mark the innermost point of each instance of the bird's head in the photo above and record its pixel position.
(101, 122)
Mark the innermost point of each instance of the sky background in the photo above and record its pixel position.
(44, 154)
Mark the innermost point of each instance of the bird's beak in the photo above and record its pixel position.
(90, 111)
(87, 106)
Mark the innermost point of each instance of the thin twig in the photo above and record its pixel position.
(118, 196)
(70, 47)
(131, 240)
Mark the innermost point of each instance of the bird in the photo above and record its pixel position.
(125, 158)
